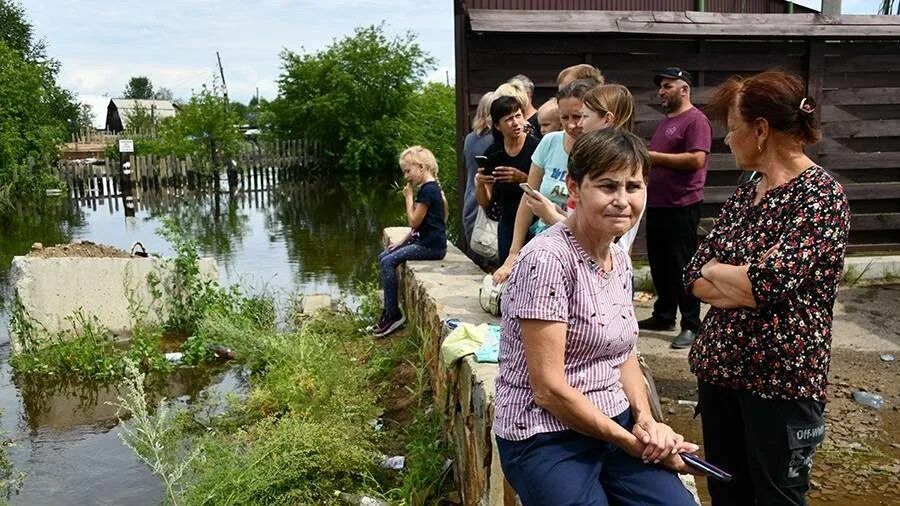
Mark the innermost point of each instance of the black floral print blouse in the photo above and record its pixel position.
(781, 349)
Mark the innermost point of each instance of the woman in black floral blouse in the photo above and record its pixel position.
(770, 270)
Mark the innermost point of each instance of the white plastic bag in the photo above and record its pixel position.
(489, 295)
(484, 236)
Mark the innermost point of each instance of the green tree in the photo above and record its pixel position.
(203, 129)
(35, 112)
(30, 126)
(349, 96)
(17, 33)
(241, 110)
(85, 117)
(139, 87)
(164, 94)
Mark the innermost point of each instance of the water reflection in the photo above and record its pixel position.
(53, 403)
(316, 237)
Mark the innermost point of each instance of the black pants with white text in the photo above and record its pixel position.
(766, 444)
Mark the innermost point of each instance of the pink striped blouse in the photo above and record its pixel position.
(554, 279)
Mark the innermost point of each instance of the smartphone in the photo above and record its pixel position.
(529, 190)
(487, 169)
(702, 465)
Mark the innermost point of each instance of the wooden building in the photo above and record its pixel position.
(118, 110)
(851, 63)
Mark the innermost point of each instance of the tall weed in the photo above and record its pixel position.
(155, 438)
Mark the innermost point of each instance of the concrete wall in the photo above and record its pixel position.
(53, 289)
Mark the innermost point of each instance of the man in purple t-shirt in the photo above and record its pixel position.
(678, 151)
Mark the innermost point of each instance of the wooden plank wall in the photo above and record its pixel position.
(857, 84)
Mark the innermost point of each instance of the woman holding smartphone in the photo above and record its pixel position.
(508, 161)
(547, 175)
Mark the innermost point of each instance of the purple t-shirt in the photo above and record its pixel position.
(667, 187)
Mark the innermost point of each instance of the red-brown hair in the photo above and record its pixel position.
(778, 97)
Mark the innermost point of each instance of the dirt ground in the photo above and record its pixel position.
(859, 462)
(77, 249)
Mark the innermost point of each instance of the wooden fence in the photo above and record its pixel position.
(94, 136)
(258, 169)
(854, 77)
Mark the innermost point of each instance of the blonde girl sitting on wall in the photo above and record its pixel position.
(427, 239)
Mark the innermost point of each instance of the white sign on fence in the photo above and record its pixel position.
(126, 146)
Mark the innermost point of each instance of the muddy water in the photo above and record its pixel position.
(298, 238)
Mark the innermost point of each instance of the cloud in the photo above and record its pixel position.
(174, 43)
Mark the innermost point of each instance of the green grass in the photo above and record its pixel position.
(303, 431)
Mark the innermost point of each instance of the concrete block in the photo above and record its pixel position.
(872, 268)
(53, 289)
(314, 302)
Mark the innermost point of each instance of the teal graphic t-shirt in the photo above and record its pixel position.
(552, 157)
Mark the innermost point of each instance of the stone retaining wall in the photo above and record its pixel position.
(432, 293)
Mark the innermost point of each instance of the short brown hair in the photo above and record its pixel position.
(581, 71)
(601, 151)
(776, 96)
(613, 98)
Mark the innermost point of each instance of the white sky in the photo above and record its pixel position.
(101, 44)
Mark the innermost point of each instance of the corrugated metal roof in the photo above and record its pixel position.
(161, 108)
(683, 23)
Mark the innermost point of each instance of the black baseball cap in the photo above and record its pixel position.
(674, 73)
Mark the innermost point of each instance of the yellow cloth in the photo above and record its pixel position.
(463, 340)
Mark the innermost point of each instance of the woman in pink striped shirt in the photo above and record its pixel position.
(572, 417)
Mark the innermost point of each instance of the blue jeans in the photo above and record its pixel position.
(387, 266)
(560, 468)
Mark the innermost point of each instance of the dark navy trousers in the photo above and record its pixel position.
(569, 468)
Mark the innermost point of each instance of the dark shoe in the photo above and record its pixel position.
(387, 326)
(654, 323)
(684, 340)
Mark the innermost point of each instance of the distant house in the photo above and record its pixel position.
(119, 109)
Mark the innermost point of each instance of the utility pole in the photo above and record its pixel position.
(222, 74)
(230, 169)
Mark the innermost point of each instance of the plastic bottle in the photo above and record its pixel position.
(868, 399)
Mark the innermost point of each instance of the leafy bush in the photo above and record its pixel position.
(291, 460)
(187, 294)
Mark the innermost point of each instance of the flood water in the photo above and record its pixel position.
(297, 238)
